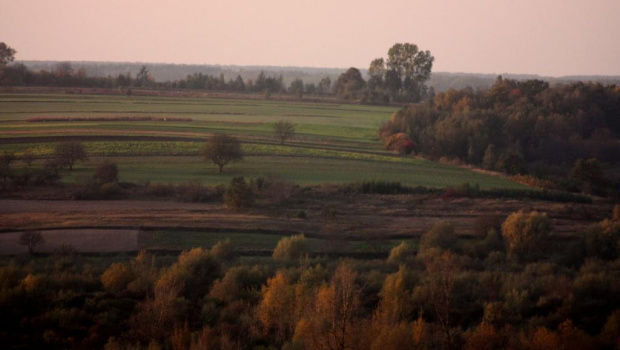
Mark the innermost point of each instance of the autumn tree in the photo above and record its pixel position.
(69, 152)
(222, 149)
(275, 309)
(283, 130)
(441, 236)
(442, 270)
(526, 234)
(30, 240)
(334, 323)
(290, 248)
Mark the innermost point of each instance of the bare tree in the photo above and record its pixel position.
(283, 130)
(31, 239)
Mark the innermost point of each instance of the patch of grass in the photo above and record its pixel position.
(251, 242)
(300, 170)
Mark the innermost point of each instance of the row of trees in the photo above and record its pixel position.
(401, 77)
(510, 290)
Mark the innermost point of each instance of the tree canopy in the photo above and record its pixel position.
(222, 149)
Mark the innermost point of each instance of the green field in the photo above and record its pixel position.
(252, 242)
(335, 143)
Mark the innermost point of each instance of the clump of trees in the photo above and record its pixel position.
(518, 127)
(402, 76)
(463, 295)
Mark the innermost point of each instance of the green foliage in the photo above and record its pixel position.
(291, 248)
(239, 194)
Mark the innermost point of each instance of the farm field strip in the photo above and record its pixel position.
(256, 242)
(301, 170)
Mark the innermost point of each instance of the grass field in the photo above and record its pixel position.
(335, 143)
(245, 242)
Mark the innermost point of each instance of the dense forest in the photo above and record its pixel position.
(518, 288)
(517, 127)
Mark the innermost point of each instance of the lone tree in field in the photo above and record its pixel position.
(283, 130)
(31, 239)
(68, 153)
(222, 149)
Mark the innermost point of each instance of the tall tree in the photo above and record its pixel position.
(412, 67)
(350, 84)
(7, 55)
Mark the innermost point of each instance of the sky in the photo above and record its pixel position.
(544, 37)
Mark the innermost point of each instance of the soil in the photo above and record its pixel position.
(80, 240)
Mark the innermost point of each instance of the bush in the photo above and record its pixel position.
(290, 248)
(223, 250)
(106, 172)
(441, 236)
(117, 277)
(239, 194)
(400, 254)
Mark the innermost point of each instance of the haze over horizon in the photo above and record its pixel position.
(548, 38)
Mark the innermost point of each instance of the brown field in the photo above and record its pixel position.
(83, 240)
(357, 217)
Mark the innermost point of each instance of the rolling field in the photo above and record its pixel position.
(335, 143)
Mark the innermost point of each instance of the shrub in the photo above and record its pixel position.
(290, 248)
(441, 236)
(117, 277)
(110, 190)
(223, 250)
(106, 172)
(238, 195)
(400, 254)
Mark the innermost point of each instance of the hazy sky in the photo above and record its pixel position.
(547, 37)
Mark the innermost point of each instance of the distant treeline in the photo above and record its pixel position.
(516, 126)
(65, 75)
(439, 81)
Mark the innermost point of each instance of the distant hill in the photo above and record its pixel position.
(440, 81)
